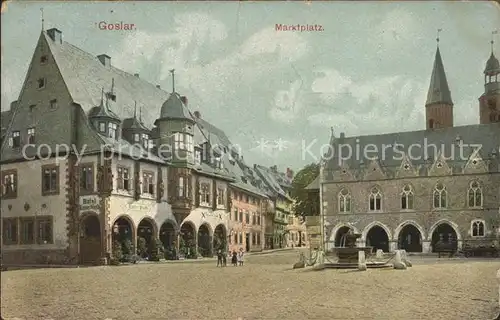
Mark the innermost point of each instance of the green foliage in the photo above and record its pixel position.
(156, 249)
(142, 249)
(127, 247)
(117, 251)
(305, 203)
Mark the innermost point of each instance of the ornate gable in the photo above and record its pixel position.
(406, 169)
(440, 166)
(374, 171)
(475, 164)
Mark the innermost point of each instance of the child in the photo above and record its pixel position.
(234, 259)
(240, 256)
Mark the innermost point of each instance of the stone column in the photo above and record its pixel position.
(426, 246)
(393, 245)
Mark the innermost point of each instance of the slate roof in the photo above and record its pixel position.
(454, 141)
(174, 108)
(439, 92)
(6, 116)
(492, 65)
(314, 185)
(273, 180)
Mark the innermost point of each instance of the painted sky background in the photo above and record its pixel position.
(368, 72)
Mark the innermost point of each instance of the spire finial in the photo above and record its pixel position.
(173, 79)
(493, 39)
(135, 109)
(102, 96)
(43, 27)
(140, 114)
(437, 38)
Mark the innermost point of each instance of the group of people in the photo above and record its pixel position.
(237, 258)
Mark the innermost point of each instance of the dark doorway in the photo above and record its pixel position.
(339, 237)
(204, 241)
(90, 240)
(220, 238)
(187, 247)
(145, 233)
(378, 239)
(247, 242)
(410, 239)
(444, 236)
(123, 236)
(167, 236)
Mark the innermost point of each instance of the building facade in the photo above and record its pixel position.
(86, 173)
(411, 195)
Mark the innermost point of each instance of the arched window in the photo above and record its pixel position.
(407, 197)
(344, 201)
(478, 228)
(475, 195)
(439, 196)
(375, 199)
(431, 124)
(181, 187)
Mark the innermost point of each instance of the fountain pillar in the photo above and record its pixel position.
(426, 246)
(393, 245)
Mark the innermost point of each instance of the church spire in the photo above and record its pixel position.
(439, 92)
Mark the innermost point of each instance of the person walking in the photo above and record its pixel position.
(224, 259)
(241, 257)
(219, 258)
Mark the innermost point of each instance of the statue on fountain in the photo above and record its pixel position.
(349, 239)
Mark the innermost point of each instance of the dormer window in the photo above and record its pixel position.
(31, 135)
(112, 127)
(145, 141)
(43, 59)
(137, 138)
(102, 127)
(197, 157)
(15, 140)
(41, 83)
(218, 162)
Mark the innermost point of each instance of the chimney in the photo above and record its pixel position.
(342, 135)
(197, 114)
(184, 100)
(274, 168)
(136, 74)
(55, 34)
(158, 86)
(289, 173)
(105, 59)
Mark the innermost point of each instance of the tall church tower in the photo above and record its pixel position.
(439, 106)
(489, 102)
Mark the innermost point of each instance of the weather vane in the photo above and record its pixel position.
(41, 10)
(493, 38)
(437, 38)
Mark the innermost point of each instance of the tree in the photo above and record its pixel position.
(305, 201)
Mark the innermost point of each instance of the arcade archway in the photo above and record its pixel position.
(123, 236)
(204, 241)
(90, 239)
(220, 238)
(444, 236)
(339, 237)
(167, 235)
(378, 239)
(145, 236)
(410, 239)
(187, 247)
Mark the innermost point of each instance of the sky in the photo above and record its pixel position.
(278, 93)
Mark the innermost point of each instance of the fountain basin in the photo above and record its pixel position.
(350, 255)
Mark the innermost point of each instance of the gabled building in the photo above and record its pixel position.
(418, 190)
(96, 160)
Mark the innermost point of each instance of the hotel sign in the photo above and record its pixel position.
(211, 214)
(89, 203)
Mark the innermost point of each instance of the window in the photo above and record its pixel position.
(41, 83)
(197, 157)
(27, 230)
(179, 141)
(220, 197)
(258, 219)
(50, 180)
(148, 183)
(44, 230)
(123, 179)
(478, 228)
(375, 199)
(102, 127)
(189, 143)
(181, 187)
(31, 136)
(407, 198)
(9, 184)
(475, 195)
(43, 59)
(137, 138)
(439, 196)
(205, 193)
(240, 218)
(53, 104)
(87, 177)
(254, 238)
(259, 236)
(247, 218)
(431, 124)
(145, 141)
(344, 201)
(9, 231)
(235, 238)
(112, 130)
(218, 163)
(241, 238)
(15, 140)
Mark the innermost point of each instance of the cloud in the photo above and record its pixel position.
(331, 85)
(287, 103)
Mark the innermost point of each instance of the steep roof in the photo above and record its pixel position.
(314, 185)
(273, 180)
(492, 65)
(174, 108)
(459, 142)
(439, 92)
(6, 116)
